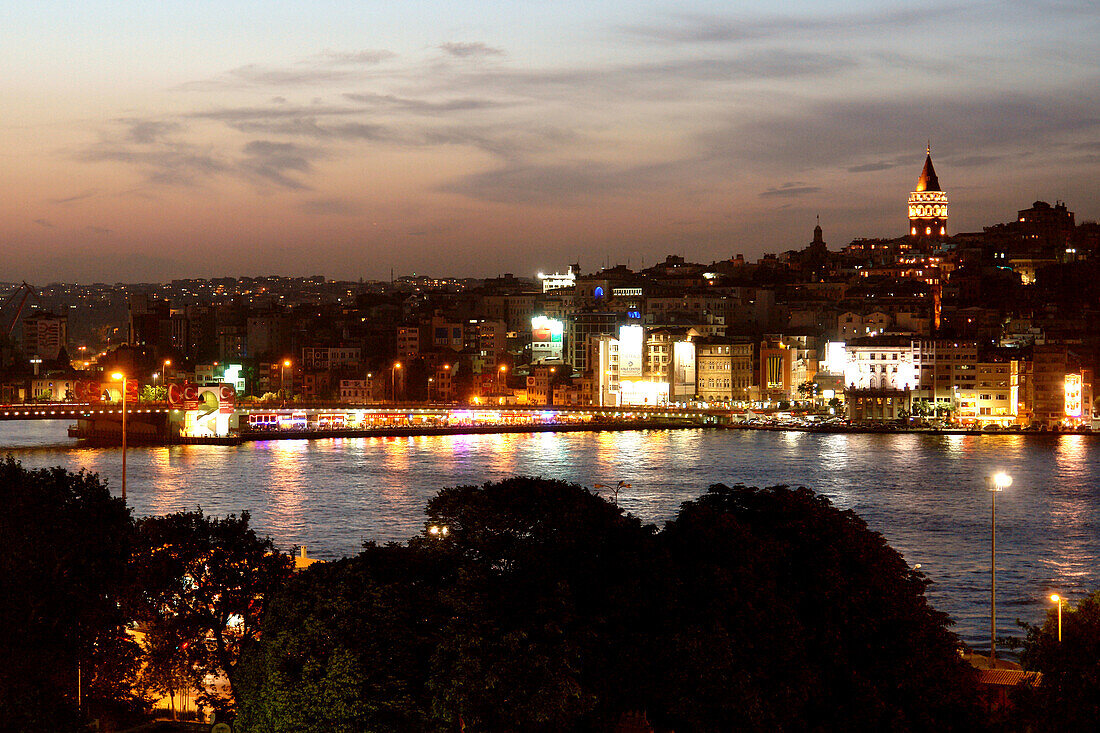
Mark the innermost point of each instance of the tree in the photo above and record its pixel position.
(788, 613)
(1070, 689)
(536, 605)
(201, 586)
(62, 569)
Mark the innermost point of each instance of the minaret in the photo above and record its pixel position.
(928, 204)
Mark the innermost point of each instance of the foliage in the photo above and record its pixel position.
(153, 393)
(1070, 690)
(201, 583)
(788, 613)
(544, 607)
(66, 541)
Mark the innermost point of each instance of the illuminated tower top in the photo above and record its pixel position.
(928, 204)
(928, 180)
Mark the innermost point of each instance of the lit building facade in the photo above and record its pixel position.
(880, 377)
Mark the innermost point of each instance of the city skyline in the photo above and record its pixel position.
(351, 140)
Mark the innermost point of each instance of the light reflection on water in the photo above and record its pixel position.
(925, 493)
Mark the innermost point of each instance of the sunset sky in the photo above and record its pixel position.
(151, 141)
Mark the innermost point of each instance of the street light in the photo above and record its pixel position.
(117, 376)
(430, 380)
(995, 484)
(1055, 598)
(502, 370)
(393, 380)
(282, 377)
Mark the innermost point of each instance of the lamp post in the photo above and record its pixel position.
(393, 380)
(1059, 600)
(997, 483)
(282, 377)
(502, 370)
(430, 380)
(117, 376)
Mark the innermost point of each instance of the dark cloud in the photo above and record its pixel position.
(233, 115)
(871, 167)
(311, 127)
(697, 28)
(973, 161)
(167, 163)
(791, 189)
(284, 77)
(272, 161)
(330, 207)
(75, 197)
(423, 106)
(662, 80)
(149, 131)
(470, 50)
(847, 132)
(355, 58)
(561, 184)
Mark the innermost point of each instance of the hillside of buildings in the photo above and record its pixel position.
(992, 327)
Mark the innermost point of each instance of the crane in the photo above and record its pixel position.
(27, 290)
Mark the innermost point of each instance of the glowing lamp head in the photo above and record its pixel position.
(397, 365)
(286, 362)
(1055, 598)
(118, 376)
(1001, 481)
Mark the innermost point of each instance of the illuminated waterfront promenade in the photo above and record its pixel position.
(159, 423)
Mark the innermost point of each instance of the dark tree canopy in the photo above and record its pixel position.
(62, 570)
(1069, 694)
(200, 586)
(544, 607)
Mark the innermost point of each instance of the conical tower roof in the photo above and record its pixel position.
(928, 180)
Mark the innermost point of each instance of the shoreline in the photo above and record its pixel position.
(113, 439)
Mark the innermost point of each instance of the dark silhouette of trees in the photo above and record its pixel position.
(62, 570)
(200, 583)
(1069, 694)
(536, 605)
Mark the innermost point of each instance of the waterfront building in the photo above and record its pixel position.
(360, 391)
(331, 357)
(1059, 387)
(948, 373)
(724, 369)
(880, 376)
(45, 335)
(580, 327)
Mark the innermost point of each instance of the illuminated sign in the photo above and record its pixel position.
(558, 281)
(836, 357)
(189, 396)
(683, 368)
(631, 341)
(1073, 395)
(546, 338)
(643, 394)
